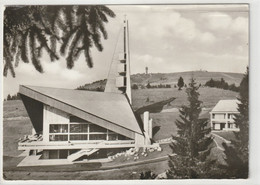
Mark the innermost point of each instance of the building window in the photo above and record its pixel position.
(97, 137)
(54, 137)
(78, 128)
(76, 119)
(83, 131)
(78, 137)
(121, 137)
(53, 154)
(63, 154)
(112, 137)
(96, 128)
(213, 116)
(58, 128)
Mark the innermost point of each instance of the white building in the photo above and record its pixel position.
(222, 115)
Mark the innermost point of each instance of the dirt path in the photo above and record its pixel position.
(229, 76)
(219, 140)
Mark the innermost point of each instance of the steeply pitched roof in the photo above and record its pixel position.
(226, 106)
(112, 107)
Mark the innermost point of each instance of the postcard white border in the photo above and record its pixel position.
(254, 89)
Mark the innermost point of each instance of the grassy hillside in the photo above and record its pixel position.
(16, 124)
(172, 78)
(209, 96)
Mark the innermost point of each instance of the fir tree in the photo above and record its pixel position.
(210, 83)
(8, 97)
(30, 30)
(180, 83)
(148, 86)
(237, 153)
(135, 86)
(192, 145)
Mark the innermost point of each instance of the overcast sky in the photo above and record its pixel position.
(164, 38)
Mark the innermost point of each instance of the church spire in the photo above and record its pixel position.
(118, 80)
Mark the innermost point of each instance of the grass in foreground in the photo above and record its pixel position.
(127, 173)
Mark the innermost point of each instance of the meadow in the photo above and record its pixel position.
(208, 96)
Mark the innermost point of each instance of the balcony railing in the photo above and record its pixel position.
(75, 145)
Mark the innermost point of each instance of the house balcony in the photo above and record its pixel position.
(222, 120)
(231, 129)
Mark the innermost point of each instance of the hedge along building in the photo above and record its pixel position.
(74, 124)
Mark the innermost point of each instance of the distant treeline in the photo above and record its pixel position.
(94, 86)
(221, 84)
(100, 89)
(14, 97)
(100, 85)
(148, 86)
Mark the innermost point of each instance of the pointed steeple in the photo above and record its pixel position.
(118, 80)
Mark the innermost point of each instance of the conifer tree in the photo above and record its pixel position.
(8, 97)
(192, 145)
(31, 30)
(180, 83)
(237, 153)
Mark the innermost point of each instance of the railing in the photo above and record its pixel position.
(43, 143)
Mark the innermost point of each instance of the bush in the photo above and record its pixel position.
(147, 175)
(221, 84)
(134, 87)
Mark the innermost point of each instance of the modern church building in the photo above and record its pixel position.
(73, 125)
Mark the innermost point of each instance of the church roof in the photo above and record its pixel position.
(112, 107)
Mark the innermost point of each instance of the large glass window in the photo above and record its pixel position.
(112, 137)
(53, 154)
(78, 128)
(76, 119)
(58, 128)
(55, 137)
(63, 154)
(82, 132)
(97, 137)
(74, 137)
(121, 137)
(96, 128)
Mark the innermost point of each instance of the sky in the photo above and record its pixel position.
(165, 38)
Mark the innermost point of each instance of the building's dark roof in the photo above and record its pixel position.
(112, 107)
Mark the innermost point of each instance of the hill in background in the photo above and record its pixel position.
(171, 78)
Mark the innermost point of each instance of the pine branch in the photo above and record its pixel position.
(36, 63)
(71, 56)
